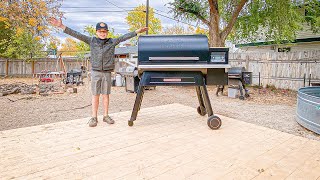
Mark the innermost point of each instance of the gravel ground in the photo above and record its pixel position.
(270, 107)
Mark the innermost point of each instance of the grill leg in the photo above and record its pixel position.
(241, 92)
(142, 93)
(206, 100)
(199, 96)
(137, 105)
(201, 108)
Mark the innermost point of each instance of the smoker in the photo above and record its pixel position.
(238, 77)
(181, 60)
(131, 79)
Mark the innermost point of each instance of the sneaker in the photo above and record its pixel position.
(93, 122)
(108, 119)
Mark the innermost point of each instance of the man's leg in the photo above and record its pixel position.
(106, 90)
(105, 104)
(95, 105)
(106, 117)
(96, 91)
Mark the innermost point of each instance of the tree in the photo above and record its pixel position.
(276, 20)
(23, 26)
(137, 19)
(53, 45)
(32, 15)
(69, 48)
(22, 45)
(177, 29)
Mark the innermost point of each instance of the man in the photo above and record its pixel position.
(102, 63)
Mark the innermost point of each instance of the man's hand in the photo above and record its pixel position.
(57, 23)
(141, 30)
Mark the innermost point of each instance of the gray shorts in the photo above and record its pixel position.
(100, 82)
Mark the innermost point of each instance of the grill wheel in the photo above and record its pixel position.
(214, 122)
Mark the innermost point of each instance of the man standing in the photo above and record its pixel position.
(102, 63)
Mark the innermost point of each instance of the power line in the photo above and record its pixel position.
(160, 10)
(175, 19)
(116, 5)
(99, 11)
(78, 7)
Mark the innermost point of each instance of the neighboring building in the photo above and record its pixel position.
(126, 52)
(126, 57)
(305, 41)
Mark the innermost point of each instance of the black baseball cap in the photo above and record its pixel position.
(101, 25)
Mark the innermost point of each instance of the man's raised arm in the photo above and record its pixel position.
(130, 35)
(58, 23)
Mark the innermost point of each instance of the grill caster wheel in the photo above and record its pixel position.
(201, 110)
(214, 122)
(130, 123)
(241, 97)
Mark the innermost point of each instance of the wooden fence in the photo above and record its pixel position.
(290, 70)
(20, 68)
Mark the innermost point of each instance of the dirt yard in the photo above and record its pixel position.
(266, 107)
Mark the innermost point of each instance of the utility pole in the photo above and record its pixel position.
(147, 16)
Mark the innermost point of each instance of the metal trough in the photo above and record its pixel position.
(308, 108)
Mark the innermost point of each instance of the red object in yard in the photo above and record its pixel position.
(46, 79)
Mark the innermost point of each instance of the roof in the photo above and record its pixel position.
(126, 50)
(272, 42)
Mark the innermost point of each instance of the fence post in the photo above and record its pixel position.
(7, 68)
(32, 68)
(310, 79)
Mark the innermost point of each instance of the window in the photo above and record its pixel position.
(284, 49)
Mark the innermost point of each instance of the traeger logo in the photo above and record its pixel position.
(172, 44)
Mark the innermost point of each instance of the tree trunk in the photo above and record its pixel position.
(214, 39)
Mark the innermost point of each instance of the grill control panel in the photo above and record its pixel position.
(219, 55)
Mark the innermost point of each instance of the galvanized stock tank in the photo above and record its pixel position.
(308, 108)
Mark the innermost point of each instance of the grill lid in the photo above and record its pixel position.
(172, 48)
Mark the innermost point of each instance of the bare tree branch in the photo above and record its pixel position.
(233, 19)
(204, 20)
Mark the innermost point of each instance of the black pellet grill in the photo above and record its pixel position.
(237, 79)
(181, 60)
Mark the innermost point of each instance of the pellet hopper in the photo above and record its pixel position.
(181, 60)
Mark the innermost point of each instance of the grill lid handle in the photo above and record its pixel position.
(173, 58)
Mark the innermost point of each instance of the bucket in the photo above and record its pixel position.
(118, 80)
(232, 92)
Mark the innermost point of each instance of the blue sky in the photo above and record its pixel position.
(78, 20)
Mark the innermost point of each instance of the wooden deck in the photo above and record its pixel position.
(166, 142)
